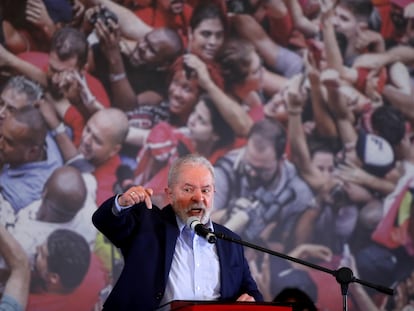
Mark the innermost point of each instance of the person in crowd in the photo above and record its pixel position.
(66, 275)
(243, 75)
(210, 133)
(350, 19)
(27, 159)
(62, 73)
(392, 236)
(98, 152)
(183, 95)
(30, 25)
(260, 189)
(277, 58)
(391, 19)
(132, 27)
(191, 189)
(16, 290)
(68, 202)
(208, 30)
(137, 75)
(156, 49)
(332, 210)
(18, 92)
(61, 262)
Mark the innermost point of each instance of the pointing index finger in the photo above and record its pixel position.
(148, 195)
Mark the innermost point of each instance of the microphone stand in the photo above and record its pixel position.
(343, 275)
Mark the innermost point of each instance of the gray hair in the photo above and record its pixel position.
(21, 84)
(189, 159)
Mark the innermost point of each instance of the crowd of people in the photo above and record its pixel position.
(303, 107)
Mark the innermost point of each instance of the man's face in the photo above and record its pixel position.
(276, 107)
(193, 193)
(345, 22)
(254, 78)
(182, 94)
(11, 100)
(259, 162)
(40, 273)
(56, 70)
(207, 38)
(324, 161)
(96, 144)
(13, 149)
(154, 49)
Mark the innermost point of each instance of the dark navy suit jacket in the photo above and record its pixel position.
(146, 238)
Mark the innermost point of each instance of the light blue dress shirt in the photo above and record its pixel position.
(195, 269)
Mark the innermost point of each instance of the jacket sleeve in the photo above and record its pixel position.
(117, 228)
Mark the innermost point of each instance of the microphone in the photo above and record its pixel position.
(194, 224)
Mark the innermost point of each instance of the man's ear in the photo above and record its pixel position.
(168, 192)
(53, 279)
(33, 153)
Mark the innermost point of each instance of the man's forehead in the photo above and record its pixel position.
(343, 11)
(13, 97)
(58, 64)
(190, 173)
(157, 36)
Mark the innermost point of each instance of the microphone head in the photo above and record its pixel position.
(192, 222)
(195, 224)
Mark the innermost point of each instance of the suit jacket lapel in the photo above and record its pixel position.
(223, 251)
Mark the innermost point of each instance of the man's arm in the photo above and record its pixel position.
(400, 100)
(324, 123)
(301, 22)
(67, 148)
(401, 53)
(277, 58)
(18, 283)
(300, 153)
(339, 105)
(123, 94)
(235, 115)
(132, 27)
(16, 65)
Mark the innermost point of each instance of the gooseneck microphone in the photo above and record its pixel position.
(194, 224)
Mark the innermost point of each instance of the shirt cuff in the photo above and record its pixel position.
(116, 208)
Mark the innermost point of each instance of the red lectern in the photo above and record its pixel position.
(191, 305)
